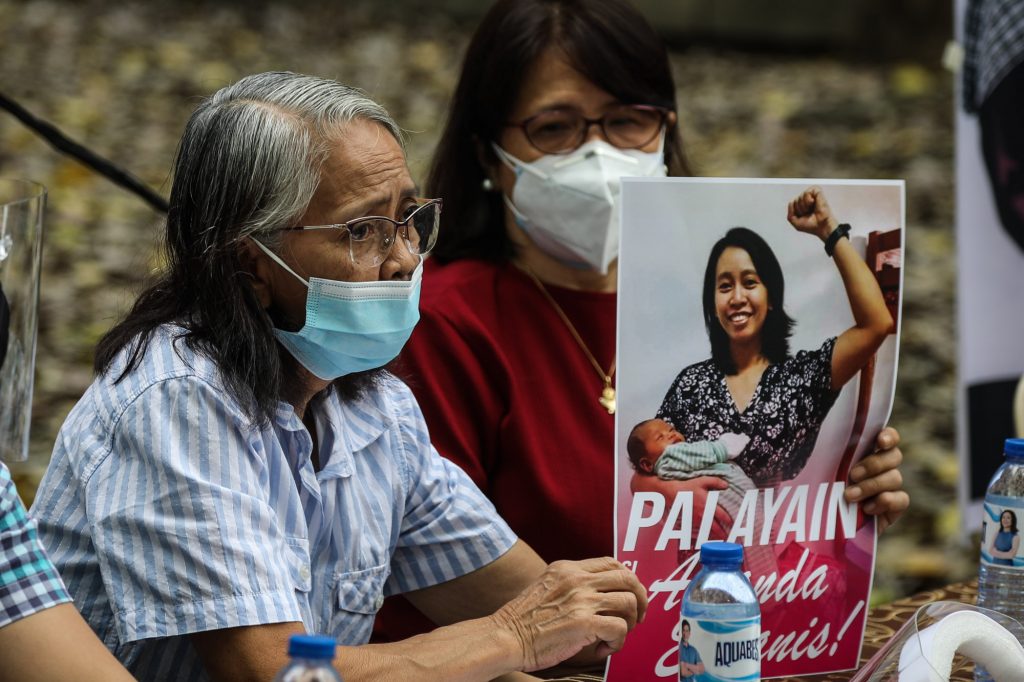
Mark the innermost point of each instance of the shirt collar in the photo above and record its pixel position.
(344, 428)
(285, 417)
(357, 423)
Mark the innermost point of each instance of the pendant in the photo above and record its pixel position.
(607, 399)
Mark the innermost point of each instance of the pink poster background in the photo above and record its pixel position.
(812, 562)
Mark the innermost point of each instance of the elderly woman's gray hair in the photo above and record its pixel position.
(275, 130)
(248, 164)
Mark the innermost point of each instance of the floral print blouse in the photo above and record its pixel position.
(783, 417)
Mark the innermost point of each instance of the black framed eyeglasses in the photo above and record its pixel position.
(371, 238)
(626, 126)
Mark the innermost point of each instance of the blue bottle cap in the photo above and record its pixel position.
(1014, 448)
(311, 646)
(721, 553)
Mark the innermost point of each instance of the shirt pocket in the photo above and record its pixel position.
(298, 565)
(358, 595)
(361, 591)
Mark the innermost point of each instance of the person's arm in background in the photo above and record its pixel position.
(876, 480)
(811, 213)
(42, 636)
(55, 644)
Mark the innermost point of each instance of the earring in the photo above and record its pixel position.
(487, 185)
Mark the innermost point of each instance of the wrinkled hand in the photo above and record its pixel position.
(810, 213)
(572, 605)
(877, 482)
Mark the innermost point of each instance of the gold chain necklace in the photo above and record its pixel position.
(607, 398)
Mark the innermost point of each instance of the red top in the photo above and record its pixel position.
(510, 396)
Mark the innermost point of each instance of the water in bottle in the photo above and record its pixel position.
(721, 628)
(312, 657)
(1001, 573)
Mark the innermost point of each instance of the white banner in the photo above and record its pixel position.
(990, 311)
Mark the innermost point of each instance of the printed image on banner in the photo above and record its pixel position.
(758, 337)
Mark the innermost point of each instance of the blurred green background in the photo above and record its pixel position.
(795, 88)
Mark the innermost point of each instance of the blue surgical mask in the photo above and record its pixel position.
(352, 326)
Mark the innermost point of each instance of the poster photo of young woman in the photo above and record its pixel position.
(758, 338)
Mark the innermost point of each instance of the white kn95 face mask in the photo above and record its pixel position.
(568, 204)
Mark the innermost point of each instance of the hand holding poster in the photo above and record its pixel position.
(743, 403)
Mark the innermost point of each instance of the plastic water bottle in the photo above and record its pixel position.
(311, 660)
(721, 628)
(1001, 573)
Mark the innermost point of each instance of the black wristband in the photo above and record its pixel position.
(842, 230)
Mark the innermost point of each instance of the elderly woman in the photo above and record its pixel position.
(241, 470)
(752, 384)
(514, 359)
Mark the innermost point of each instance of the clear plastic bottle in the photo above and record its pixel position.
(721, 628)
(312, 657)
(1001, 572)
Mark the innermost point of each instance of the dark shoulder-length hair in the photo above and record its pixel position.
(1013, 520)
(778, 326)
(248, 164)
(608, 41)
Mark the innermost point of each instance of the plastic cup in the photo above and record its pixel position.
(21, 240)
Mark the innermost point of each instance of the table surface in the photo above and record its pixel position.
(883, 622)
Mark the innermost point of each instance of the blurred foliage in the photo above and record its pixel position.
(123, 77)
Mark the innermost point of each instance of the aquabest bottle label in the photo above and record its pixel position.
(729, 650)
(1001, 532)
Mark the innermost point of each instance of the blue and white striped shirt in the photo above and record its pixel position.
(168, 512)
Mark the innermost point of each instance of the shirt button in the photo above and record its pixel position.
(304, 572)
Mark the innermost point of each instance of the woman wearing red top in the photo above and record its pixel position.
(513, 359)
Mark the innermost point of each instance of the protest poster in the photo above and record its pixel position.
(702, 346)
